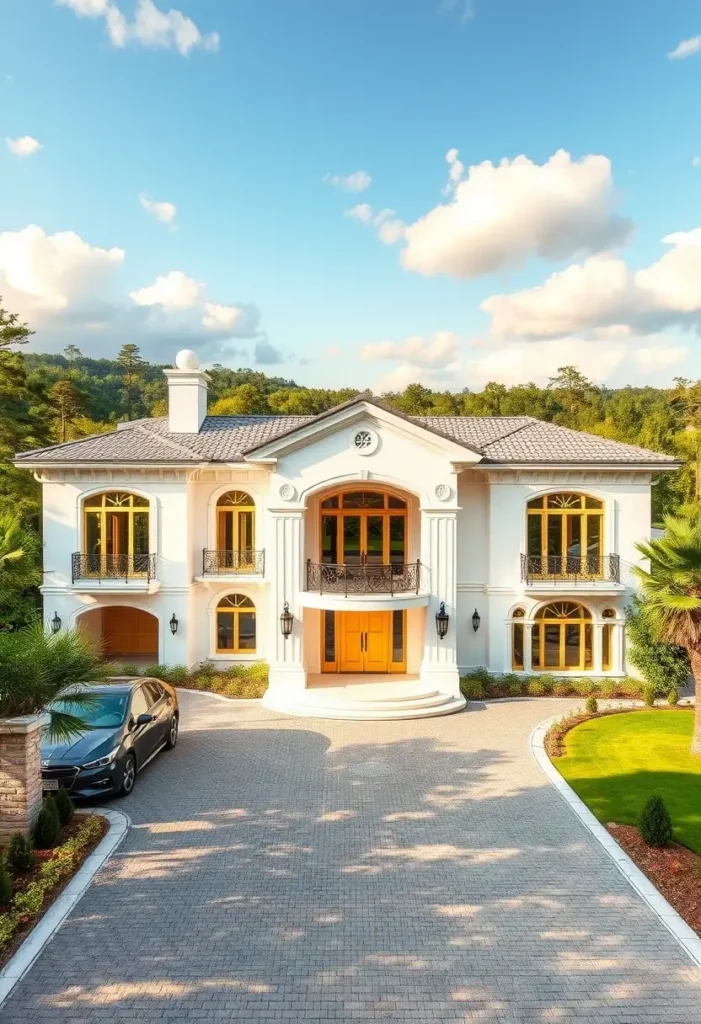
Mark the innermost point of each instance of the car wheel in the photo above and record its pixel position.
(128, 776)
(172, 733)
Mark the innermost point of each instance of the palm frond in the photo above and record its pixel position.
(64, 727)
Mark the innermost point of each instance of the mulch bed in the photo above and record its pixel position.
(21, 882)
(673, 869)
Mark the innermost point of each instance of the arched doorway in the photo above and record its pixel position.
(125, 632)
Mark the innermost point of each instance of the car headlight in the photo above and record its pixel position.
(102, 762)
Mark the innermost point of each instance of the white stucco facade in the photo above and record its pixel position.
(465, 525)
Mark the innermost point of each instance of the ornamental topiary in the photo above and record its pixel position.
(673, 697)
(471, 689)
(19, 855)
(648, 695)
(591, 705)
(64, 806)
(5, 885)
(655, 823)
(48, 826)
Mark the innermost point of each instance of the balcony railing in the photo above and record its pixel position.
(113, 567)
(227, 563)
(363, 579)
(570, 568)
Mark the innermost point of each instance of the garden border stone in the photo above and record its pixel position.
(685, 936)
(45, 929)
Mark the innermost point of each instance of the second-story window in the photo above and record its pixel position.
(116, 528)
(236, 520)
(565, 534)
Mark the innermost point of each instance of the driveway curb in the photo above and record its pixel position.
(40, 936)
(685, 936)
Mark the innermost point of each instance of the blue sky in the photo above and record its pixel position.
(243, 133)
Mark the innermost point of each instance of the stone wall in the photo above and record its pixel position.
(20, 773)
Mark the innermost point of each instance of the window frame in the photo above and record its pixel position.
(538, 508)
(585, 623)
(96, 504)
(234, 509)
(246, 607)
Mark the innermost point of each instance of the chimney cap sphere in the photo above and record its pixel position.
(186, 359)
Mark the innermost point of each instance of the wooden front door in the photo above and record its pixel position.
(364, 641)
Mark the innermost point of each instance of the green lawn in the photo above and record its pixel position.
(615, 763)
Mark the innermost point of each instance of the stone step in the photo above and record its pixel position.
(420, 706)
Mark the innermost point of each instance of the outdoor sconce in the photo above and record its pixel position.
(442, 620)
(56, 623)
(286, 620)
(476, 620)
(173, 624)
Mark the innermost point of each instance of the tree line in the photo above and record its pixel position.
(49, 398)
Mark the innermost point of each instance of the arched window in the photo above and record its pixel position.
(517, 639)
(607, 639)
(236, 625)
(116, 533)
(565, 535)
(236, 539)
(363, 528)
(562, 637)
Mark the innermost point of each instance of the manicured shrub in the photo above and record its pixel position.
(629, 687)
(158, 672)
(655, 823)
(649, 695)
(206, 670)
(128, 670)
(534, 688)
(515, 689)
(19, 855)
(591, 706)
(47, 827)
(561, 689)
(5, 885)
(582, 687)
(546, 681)
(471, 689)
(673, 697)
(607, 689)
(661, 664)
(64, 806)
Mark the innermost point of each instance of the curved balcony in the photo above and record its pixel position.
(233, 563)
(571, 572)
(404, 578)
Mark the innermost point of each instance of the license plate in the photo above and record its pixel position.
(49, 784)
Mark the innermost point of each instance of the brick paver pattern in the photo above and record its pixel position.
(284, 869)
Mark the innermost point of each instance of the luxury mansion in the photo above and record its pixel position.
(357, 546)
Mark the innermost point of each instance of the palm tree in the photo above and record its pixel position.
(37, 667)
(672, 590)
(11, 550)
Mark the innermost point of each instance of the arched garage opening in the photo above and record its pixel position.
(126, 633)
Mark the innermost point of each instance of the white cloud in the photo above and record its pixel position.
(686, 48)
(151, 26)
(358, 181)
(500, 216)
(657, 357)
(389, 227)
(457, 169)
(41, 274)
(236, 321)
(174, 290)
(692, 237)
(25, 145)
(604, 292)
(160, 209)
(361, 212)
(440, 351)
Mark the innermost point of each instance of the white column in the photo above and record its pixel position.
(618, 660)
(439, 666)
(598, 652)
(286, 552)
(527, 646)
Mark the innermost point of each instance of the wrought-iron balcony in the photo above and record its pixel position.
(363, 579)
(232, 563)
(570, 568)
(113, 567)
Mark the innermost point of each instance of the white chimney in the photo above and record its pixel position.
(187, 394)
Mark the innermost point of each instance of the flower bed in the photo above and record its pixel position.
(237, 682)
(36, 889)
(479, 684)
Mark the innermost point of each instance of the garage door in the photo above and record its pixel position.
(129, 632)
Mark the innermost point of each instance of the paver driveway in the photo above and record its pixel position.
(297, 870)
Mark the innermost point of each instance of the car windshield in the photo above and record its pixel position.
(106, 711)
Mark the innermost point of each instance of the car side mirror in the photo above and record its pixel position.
(144, 719)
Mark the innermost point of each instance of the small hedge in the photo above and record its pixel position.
(237, 681)
(479, 684)
(29, 902)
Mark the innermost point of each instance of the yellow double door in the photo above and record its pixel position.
(364, 641)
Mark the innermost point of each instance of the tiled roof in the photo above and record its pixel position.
(499, 439)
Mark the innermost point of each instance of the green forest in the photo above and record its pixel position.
(46, 399)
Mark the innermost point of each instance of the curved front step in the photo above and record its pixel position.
(422, 705)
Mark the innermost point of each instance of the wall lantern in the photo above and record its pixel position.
(286, 620)
(173, 624)
(442, 620)
(476, 620)
(56, 623)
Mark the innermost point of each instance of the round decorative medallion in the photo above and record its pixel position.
(365, 442)
(287, 492)
(442, 492)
